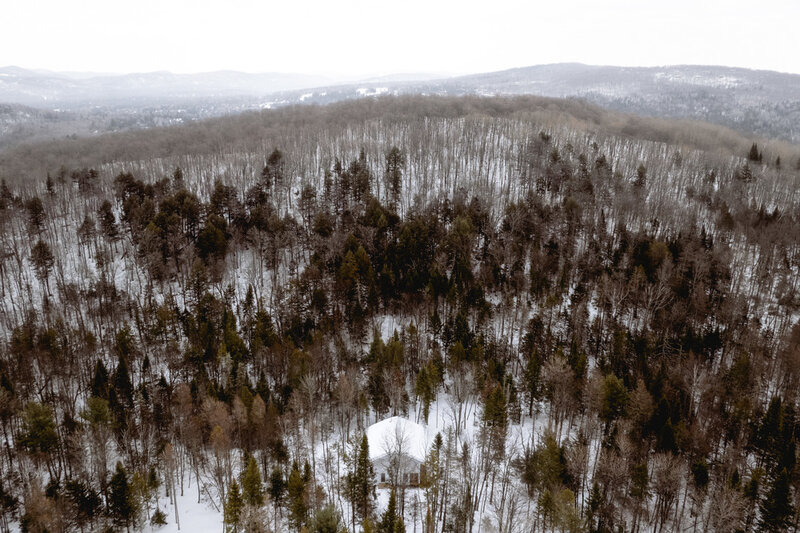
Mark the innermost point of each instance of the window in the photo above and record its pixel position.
(414, 478)
(383, 477)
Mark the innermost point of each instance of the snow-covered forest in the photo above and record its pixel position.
(596, 324)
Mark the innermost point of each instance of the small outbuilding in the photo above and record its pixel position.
(397, 449)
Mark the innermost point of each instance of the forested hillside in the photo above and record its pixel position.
(597, 314)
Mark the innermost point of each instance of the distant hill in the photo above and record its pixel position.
(754, 102)
(45, 89)
(762, 103)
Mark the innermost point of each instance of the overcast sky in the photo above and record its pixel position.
(369, 37)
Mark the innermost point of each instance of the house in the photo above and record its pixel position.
(397, 449)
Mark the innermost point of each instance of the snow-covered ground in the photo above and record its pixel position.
(193, 516)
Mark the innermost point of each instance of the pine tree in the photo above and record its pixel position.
(298, 506)
(121, 501)
(108, 222)
(367, 526)
(99, 385)
(395, 161)
(361, 482)
(495, 418)
(754, 154)
(252, 489)
(233, 508)
(36, 213)
(43, 260)
(326, 520)
(777, 510)
(641, 176)
(277, 485)
(391, 521)
(615, 398)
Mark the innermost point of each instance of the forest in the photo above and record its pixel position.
(595, 316)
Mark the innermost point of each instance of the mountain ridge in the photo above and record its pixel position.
(761, 103)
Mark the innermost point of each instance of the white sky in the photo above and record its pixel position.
(368, 37)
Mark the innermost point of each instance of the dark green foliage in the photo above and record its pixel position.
(233, 507)
(277, 485)
(360, 482)
(99, 384)
(326, 520)
(252, 488)
(395, 162)
(297, 498)
(159, 518)
(545, 468)
(754, 154)
(42, 259)
(108, 222)
(615, 398)
(38, 434)
(212, 242)
(699, 470)
(36, 213)
(85, 501)
(122, 505)
(777, 509)
(391, 521)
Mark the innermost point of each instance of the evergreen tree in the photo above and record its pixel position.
(615, 398)
(495, 418)
(367, 526)
(233, 508)
(754, 154)
(99, 385)
(36, 214)
(108, 222)
(42, 259)
(121, 505)
(777, 510)
(85, 502)
(360, 482)
(395, 161)
(641, 176)
(391, 521)
(298, 505)
(326, 520)
(38, 435)
(252, 488)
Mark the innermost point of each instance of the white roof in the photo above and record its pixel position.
(397, 434)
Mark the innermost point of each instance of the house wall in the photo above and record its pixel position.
(407, 467)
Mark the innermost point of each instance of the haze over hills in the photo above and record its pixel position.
(764, 103)
(46, 89)
(754, 102)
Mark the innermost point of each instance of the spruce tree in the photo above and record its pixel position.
(754, 154)
(298, 507)
(121, 501)
(777, 510)
(326, 520)
(367, 526)
(252, 489)
(391, 521)
(233, 508)
(277, 485)
(361, 482)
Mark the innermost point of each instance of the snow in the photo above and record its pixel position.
(397, 433)
(364, 91)
(200, 517)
